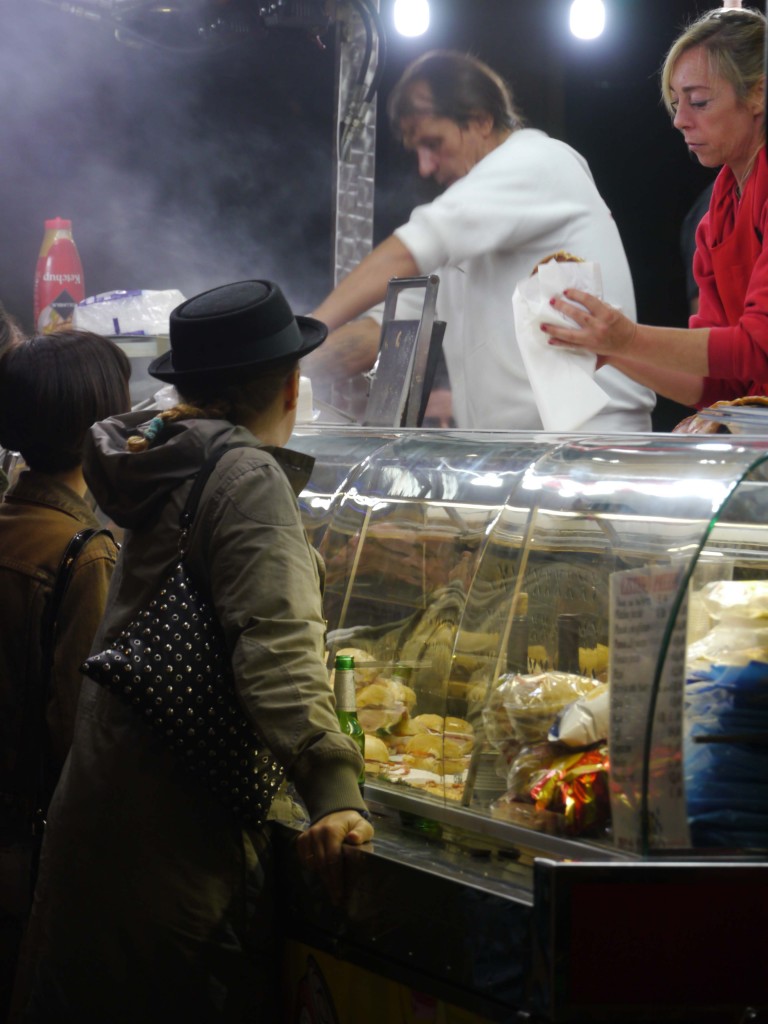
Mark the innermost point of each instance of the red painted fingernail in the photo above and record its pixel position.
(552, 302)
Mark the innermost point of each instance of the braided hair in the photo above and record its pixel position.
(223, 398)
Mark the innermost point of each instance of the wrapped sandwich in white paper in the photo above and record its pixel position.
(562, 379)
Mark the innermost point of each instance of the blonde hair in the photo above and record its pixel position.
(734, 40)
(183, 411)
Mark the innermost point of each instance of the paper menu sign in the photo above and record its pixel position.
(640, 607)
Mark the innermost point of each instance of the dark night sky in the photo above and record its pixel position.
(188, 170)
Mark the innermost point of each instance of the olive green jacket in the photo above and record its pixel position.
(142, 898)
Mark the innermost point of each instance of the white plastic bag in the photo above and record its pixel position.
(138, 312)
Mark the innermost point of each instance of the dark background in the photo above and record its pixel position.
(183, 169)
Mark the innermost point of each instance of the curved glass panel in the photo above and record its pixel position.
(511, 600)
(725, 711)
(335, 452)
(401, 551)
(614, 529)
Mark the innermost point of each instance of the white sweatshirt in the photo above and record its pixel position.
(528, 198)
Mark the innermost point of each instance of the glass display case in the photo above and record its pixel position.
(512, 599)
(561, 650)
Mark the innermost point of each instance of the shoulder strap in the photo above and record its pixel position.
(60, 586)
(47, 644)
(193, 499)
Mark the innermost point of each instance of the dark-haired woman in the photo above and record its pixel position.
(154, 904)
(52, 388)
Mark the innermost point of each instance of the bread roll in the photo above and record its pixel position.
(376, 753)
(398, 737)
(434, 753)
(459, 732)
(363, 674)
(426, 723)
(561, 256)
(381, 705)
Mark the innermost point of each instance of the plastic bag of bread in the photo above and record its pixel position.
(584, 721)
(528, 765)
(738, 611)
(496, 723)
(532, 702)
(736, 599)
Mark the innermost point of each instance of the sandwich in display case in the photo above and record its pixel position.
(561, 651)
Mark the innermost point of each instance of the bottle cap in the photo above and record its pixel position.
(58, 224)
(344, 661)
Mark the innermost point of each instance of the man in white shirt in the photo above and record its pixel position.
(511, 197)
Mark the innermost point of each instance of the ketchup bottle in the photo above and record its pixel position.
(59, 282)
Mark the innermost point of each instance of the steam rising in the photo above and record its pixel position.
(178, 171)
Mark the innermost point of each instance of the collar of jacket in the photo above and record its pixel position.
(41, 489)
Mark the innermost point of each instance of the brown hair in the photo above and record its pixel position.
(734, 40)
(53, 387)
(462, 87)
(219, 396)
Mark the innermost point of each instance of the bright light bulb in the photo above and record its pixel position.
(587, 18)
(411, 17)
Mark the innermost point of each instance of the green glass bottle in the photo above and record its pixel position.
(568, 643)
(346, 704)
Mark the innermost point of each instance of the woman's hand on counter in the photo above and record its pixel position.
(319, 847)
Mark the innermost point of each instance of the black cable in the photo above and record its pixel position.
(364, 10)
(381, 38)
(369, 15)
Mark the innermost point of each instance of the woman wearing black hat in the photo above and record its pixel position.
(153, 903)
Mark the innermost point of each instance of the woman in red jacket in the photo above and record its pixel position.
(713, 86)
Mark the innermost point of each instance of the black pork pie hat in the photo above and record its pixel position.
(234, 327)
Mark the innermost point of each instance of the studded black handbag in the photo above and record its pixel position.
(171, 665)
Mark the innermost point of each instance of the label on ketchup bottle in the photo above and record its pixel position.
(59, 282)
